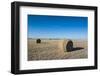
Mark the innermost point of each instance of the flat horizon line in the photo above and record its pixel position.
(60, 38)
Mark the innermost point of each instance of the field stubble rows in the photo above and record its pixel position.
(52, 50)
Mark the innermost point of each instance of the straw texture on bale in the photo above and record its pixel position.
(66, 45)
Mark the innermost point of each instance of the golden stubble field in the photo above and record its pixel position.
(54, 49)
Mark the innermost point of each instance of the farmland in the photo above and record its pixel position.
(52, 49)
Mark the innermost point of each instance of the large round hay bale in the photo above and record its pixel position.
(38, 41)
(66, 45)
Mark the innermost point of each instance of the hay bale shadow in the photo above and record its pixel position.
(77, 48)
(70, 47)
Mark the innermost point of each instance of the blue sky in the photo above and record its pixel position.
(46, 26)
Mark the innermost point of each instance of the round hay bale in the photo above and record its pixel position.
(38, 41)
(66, 45)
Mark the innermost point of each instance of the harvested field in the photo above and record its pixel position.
(56, 49)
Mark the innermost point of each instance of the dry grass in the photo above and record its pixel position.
(54, 49)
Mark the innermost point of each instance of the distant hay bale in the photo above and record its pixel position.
(66, 45)
(38, 41)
